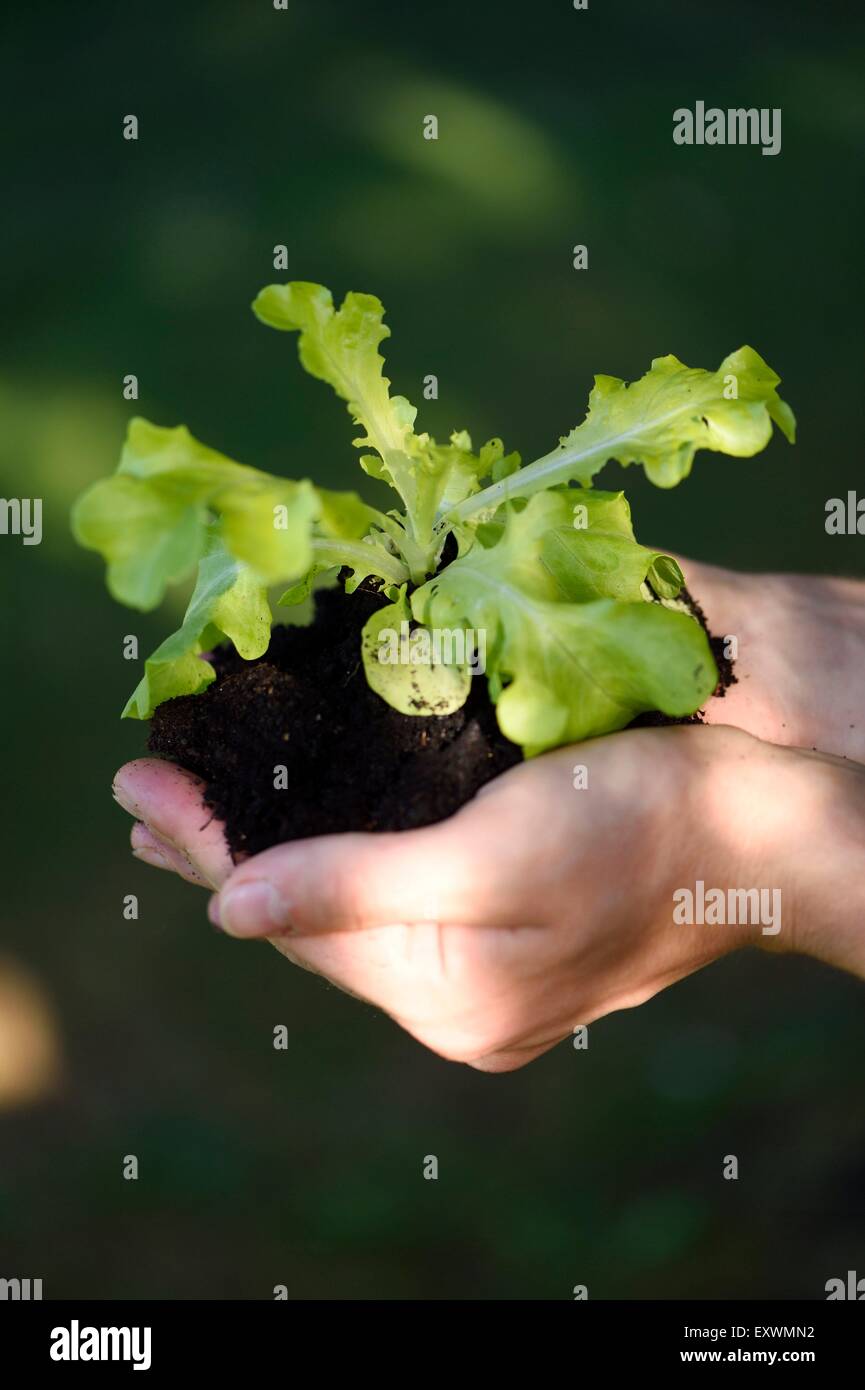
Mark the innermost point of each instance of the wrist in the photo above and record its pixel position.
(778, 840)
(795, 829)
(742, 800)
(821, 861)
(722, 843)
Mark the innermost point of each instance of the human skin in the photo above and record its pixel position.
(801, 667)
(539, 906)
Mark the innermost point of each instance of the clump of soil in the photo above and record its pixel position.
(352, 762)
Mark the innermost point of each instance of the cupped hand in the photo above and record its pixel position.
(541, 905)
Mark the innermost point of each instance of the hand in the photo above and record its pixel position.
(539, 907)
(800, 667)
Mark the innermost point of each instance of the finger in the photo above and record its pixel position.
(154, 859)
(169, 801)
(451, 872)
(151, 849)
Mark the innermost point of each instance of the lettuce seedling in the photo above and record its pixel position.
(584, 628)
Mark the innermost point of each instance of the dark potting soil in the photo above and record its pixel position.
(352, 762)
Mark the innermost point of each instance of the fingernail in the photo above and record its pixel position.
(213, 912)
(253, 909)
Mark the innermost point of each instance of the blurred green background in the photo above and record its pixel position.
(260, 127)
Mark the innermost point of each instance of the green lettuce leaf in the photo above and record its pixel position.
(548, 576)
(403, 666)
(149, 521)
(228, 602)
(341, 347)
(344, 515)
(560, 670)
(365, 558)
(597, 555)
(353, 536)
(660, 421)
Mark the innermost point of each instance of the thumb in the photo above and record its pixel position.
(442, 873)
